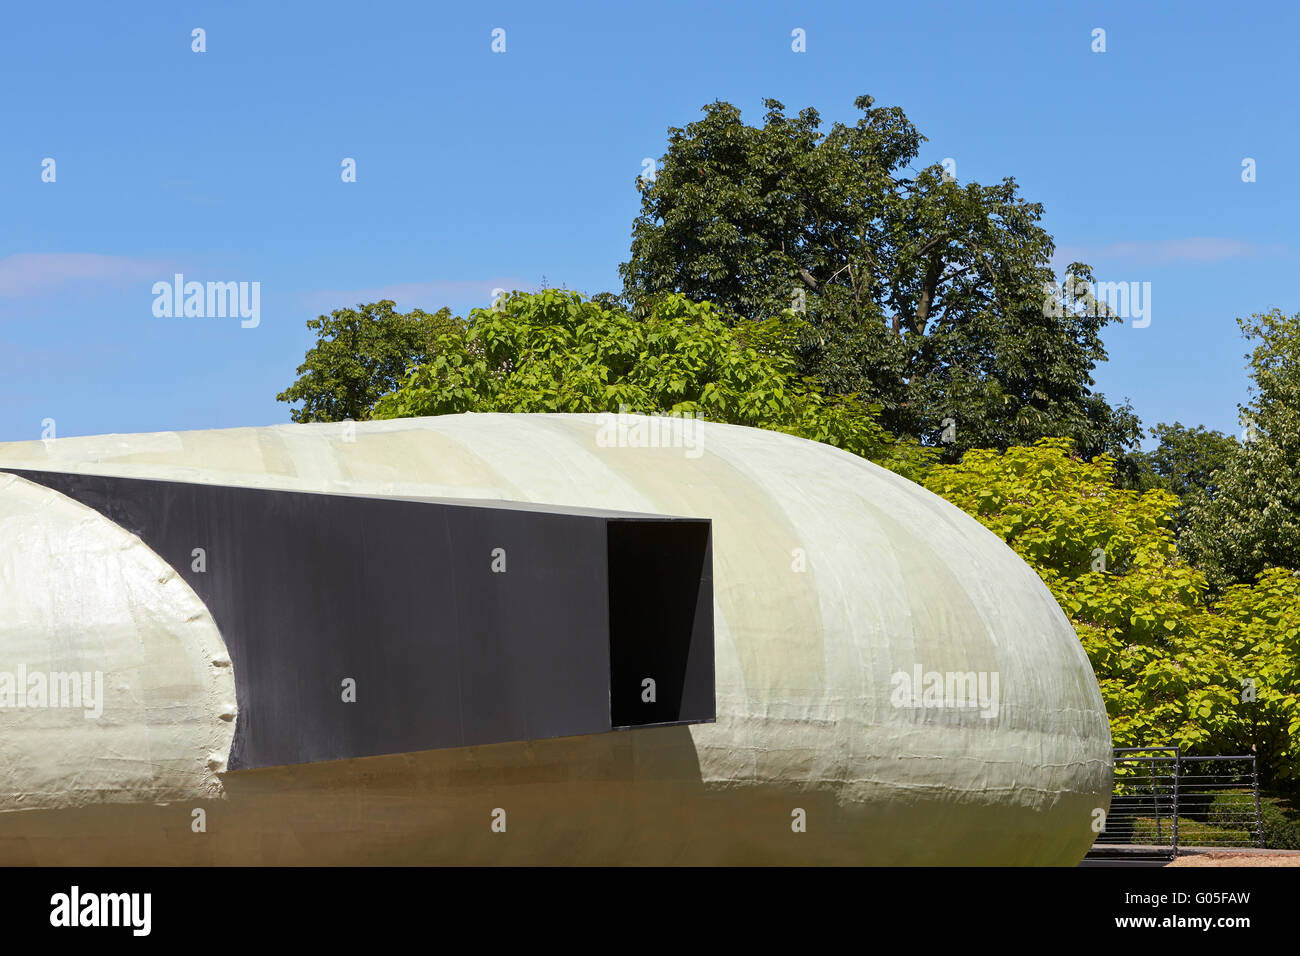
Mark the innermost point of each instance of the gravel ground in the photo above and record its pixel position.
(1229, 858)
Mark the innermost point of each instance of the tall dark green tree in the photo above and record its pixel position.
(923, 295)
(1253, 520)
(360, 354)
(1188, 462)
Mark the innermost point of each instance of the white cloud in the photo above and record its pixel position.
(34, 273)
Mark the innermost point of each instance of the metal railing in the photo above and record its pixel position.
(1163, 800)
(1219, 799)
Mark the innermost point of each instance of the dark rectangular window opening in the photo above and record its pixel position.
(660, 622)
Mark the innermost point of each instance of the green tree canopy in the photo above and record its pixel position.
(359, 355)
(923, 295)
(557, 351)
(1219, 678)
(1187, 460)
(1187, 463)
(1253, 520)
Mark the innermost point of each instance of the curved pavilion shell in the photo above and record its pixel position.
(836, 585)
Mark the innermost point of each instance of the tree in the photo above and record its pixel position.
(359, 355)
(1253, 521)
(1187, 460)
(1187, 463)
(922, 295)
(557, 351)
(1259, 624)
(1172, 669)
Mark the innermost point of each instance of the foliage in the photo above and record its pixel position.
(925, 296)
(1253, 522)
(1187, 460)
(1187, 463)
(1281, 819)
(359, 355)
(557, 351)
(1172, 668)
(1258, 625)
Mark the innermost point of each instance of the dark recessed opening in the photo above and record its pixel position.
(660, 622)
(404, 597)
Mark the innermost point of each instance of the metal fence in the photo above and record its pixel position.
(1163, 800)
(1219, 800)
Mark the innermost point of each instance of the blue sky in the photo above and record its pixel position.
(478, 169)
